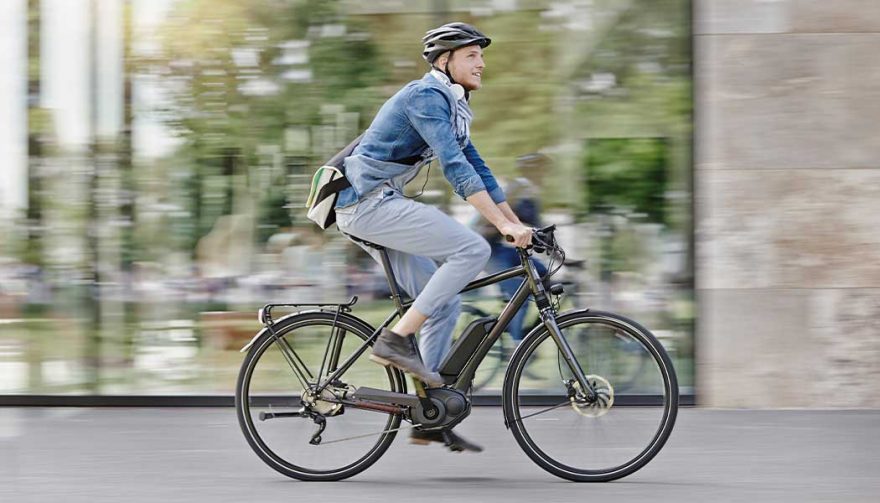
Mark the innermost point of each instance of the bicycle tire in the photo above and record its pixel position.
(515, 418)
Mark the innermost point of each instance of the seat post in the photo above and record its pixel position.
(389, 273)
(392, 281)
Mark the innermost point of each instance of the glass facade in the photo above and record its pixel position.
(157, 155)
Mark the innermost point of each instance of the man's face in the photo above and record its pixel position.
(466, 66)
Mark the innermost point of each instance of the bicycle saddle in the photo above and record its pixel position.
(365, 242)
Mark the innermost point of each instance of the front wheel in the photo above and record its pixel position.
(591, 438)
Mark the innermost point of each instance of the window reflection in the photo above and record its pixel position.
(156, 200)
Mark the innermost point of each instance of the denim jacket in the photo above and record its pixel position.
(416, 122)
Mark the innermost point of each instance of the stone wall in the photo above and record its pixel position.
(788, 202)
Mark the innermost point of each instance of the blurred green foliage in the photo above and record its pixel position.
(537, 93)
(627, 174)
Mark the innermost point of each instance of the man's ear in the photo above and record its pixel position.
(442, 60)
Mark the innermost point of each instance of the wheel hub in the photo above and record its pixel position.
(603, 401)
(327, 402)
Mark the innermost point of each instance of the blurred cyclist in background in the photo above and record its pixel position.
(523, 194)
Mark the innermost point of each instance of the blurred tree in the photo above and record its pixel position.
(33, 252)
(515, 113)
(637, 85)
(627, 174)
(274, 214)
(241, 75)
(238, 75)
(123, 147)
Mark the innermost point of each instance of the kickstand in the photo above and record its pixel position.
(447, 440)
(322, 423)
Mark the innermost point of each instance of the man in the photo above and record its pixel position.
(428, 118)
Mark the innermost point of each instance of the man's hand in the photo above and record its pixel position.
(522, 235)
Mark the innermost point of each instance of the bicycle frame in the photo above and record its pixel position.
(531, 285)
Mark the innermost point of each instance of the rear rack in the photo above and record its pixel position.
(265, 313)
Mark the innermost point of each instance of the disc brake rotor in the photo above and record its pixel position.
(604, 397)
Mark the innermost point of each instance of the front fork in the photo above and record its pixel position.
(548, 317)
(549, 320)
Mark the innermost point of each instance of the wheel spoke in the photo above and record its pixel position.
(548, 409)
(366, 435)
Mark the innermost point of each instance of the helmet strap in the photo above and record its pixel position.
(446, 70)
(457, 90)
(464, 92)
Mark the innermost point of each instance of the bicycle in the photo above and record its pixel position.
(294, 383)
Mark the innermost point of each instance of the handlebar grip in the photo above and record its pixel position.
(509, 238)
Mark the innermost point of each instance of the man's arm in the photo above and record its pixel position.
(494, 213)
(507, 211)
(492, 187)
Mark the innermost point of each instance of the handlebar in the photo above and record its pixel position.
(542, 239)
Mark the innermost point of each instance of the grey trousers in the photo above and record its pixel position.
(418, 237)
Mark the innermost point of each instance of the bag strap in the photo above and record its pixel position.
(332, 187)
(338, 160)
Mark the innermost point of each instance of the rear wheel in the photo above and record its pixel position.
(279, 411)
(599, 438)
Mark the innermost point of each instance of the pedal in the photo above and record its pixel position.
(383, 396)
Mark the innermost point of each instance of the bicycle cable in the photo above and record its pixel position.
(554, 251)
(427, 175)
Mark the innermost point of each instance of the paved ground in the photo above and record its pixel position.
(194, 455)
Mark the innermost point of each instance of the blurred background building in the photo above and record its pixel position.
(156, 155)
(787, 197)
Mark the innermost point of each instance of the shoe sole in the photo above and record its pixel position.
(383, 362)
(453, 448)
(388, 363)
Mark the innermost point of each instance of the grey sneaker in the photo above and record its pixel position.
(454, 442)
(392, 349)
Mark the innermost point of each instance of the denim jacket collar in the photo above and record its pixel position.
(457, 90)
(458, 101)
